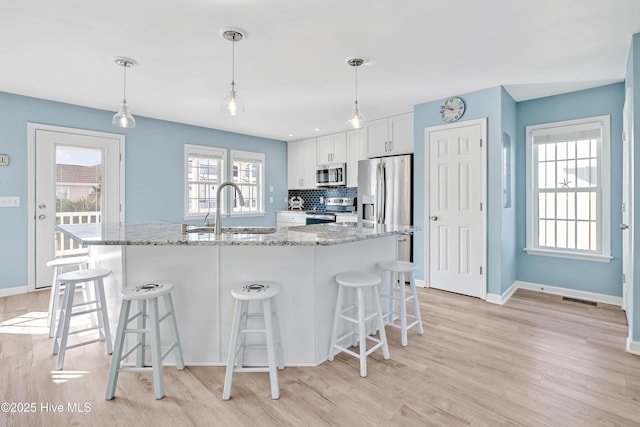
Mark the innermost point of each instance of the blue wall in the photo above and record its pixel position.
(590, 276)
(509, 215)
(632, 83)
(154, 156)
(485, 103)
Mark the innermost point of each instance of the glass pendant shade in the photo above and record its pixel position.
(123, 117)
(356, 118)
(232, 104)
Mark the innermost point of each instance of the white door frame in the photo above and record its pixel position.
(483, 165)
(31, 184)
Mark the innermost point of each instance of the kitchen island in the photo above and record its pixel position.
(204, 267)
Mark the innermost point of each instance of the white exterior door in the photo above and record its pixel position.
(455, 221)
(76, 179)
(627, 276)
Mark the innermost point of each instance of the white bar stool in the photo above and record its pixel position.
(358, 282)
(98, 306)
(59, 266)
(264, 292)
(397, 273)
(147, 296)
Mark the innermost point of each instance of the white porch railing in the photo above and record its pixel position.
(66, 246)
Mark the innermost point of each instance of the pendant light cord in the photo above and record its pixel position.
(124, 93)
(356, 84)
(233, 62)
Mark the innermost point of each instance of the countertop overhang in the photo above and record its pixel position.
(166, 233)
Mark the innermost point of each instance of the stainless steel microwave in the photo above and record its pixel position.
(331, 175)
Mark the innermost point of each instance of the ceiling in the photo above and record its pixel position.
(291, 70)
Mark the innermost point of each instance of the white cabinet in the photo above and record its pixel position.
(346, 217)
(390, 136)
(332, 148)
(290, 219)
(356, 139)
(301, 164)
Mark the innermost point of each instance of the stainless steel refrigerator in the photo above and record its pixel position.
(385, 195)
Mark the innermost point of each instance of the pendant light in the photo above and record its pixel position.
(356, 118)
(232, 104)
(123, 117)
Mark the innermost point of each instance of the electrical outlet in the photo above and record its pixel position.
(4, 160)
(10, 202)
(270, 199)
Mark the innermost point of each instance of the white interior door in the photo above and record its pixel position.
(627, 276)
(77, 179)
(456, 221)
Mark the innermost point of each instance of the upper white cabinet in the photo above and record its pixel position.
(390, 136)
(332, 148)
(356, 139)
(301, 164)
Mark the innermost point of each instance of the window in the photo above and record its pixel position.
(248, 173)
(568, 189)
(203, 173)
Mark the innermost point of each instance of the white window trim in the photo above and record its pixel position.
(250, 155)
(604, 180)
(190, 149)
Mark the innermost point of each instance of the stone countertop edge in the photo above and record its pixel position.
(164, 234)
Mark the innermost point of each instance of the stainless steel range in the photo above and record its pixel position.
(334, 206)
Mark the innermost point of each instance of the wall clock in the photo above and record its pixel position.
(452, 109)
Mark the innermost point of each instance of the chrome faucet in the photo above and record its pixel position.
(219, 207)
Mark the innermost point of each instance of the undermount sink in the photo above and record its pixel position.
(227, 230)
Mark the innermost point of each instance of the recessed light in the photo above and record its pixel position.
(290, 134)
(317, 129)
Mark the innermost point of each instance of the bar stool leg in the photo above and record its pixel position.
(416, 306)
(381, 331)
(53, 303)
(103, 316)
(141, 352)
(403, 306)
(173, 329)
(278, 343)
(156, 354)
(62, 334)
(362, 334)
(336, 319)
(271, 353)
(242, 339)
(226, 393)
(117, 352)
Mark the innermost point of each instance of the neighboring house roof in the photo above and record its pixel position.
(78, 174)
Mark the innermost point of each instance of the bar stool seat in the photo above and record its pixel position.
(358, 282)
(263, 292)
(98, 306)
(397, 273)
(148, 322)
(59, 266)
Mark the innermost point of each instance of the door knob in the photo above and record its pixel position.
(433, 218)
(624, 226)
(42, 217)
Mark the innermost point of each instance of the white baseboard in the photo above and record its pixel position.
(501, 299)
(571, 293)
(633, 346)
(420, 283)
(7, 292)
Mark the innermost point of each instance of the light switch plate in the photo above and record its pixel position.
(10, 202)
(4, 160)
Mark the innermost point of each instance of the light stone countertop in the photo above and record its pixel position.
(165, 233)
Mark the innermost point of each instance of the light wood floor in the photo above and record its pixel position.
(535, 361)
